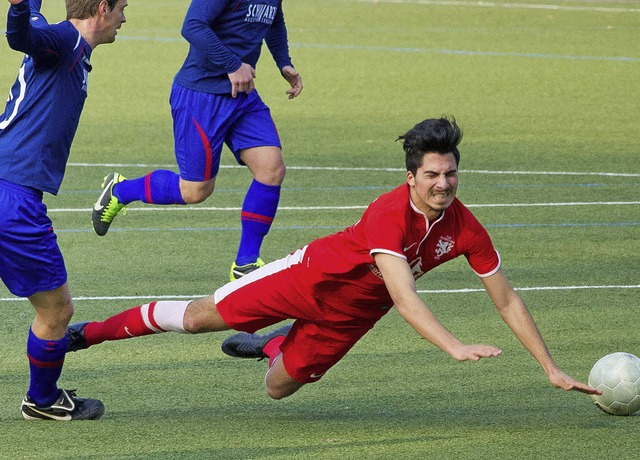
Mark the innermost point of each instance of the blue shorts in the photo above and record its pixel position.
(30, 259)
(202, 122)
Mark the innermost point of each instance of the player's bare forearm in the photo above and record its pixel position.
(420, 317)
(516, 315)
(399, 281)
(523, 326)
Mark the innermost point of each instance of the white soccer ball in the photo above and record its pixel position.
(618, 377)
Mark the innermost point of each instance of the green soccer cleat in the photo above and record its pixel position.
(107, 207)
(238, 272)
(67, 407)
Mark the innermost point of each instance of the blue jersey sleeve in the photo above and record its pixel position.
(28, 31)
(197, 30)
(278, 42)
(18, 25)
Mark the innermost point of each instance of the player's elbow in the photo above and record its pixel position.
(192, 28)
(16, 42)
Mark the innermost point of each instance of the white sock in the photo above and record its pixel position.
(168, 314)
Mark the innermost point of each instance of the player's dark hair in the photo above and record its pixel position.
(84, 9)
(434, 135)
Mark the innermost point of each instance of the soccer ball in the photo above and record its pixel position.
(618, 377)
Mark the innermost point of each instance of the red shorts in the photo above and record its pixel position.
(289, 288)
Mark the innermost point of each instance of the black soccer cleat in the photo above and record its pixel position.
(245, 345)
(76, 340)
(67, 407)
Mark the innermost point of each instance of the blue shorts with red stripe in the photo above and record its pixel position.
(30, 258)
(203, 122)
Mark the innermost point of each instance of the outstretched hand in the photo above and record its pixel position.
(475, 352)
(295, 80)
(561, 380)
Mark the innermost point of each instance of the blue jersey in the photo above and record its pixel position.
(223, 34)
(44, 105)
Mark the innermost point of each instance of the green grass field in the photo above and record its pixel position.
(548, 95)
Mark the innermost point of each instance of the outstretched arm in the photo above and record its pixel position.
(515, 313)
(399, 281)
(18, 26)
(24, 22)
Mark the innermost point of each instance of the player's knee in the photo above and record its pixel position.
(281, 390)
(274, 176)
(193, 322)
(196, 192)
(196, 196)
(278, 174)
(62, 312)
(277, 393)
(67, 313)
(54, 318)
(190, 324)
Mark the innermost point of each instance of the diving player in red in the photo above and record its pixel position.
(337, 287)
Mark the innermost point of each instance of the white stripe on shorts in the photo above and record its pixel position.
(268, 269)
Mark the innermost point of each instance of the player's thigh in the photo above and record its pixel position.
(311, 349)
(253, 127)
(274, 293)
(30, 258)
(200, 124)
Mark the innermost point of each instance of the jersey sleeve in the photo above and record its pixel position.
(197, 30)
(383, 231)
(29, 32)
(18, 26)
(481, 255)
(278, 42)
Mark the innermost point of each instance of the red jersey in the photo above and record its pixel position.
(393, 225)
(332, 287)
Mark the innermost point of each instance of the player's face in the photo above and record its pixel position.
(435, 183)
(112, 20)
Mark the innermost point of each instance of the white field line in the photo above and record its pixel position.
(528, 6)
(342, 208)
(421, 291)
(337, 168)
(348, 168)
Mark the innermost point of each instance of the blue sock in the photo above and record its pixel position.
(258, 210)
(46, 358)
(157, 187)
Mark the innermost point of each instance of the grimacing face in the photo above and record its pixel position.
(435, 183)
